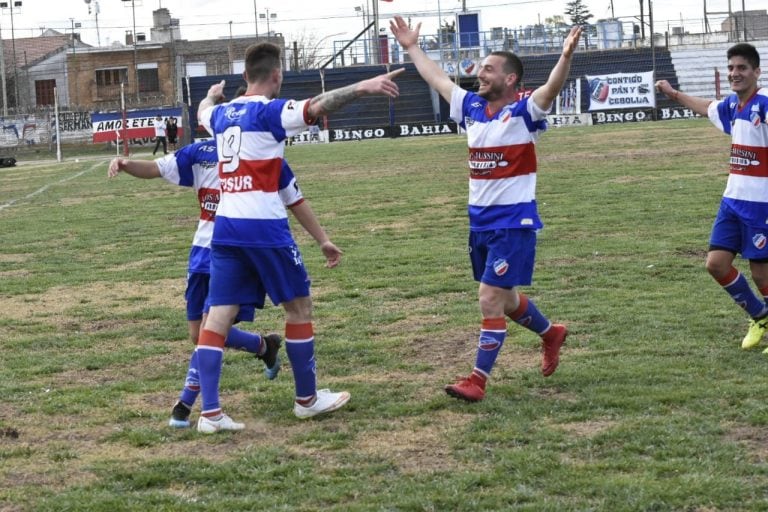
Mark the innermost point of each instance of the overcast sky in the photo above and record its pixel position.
(331, 19)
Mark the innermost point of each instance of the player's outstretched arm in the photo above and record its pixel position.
(145, 169)
(546, 94)
(331, 101)
(428, 69)
(698, 105)
(306, 217)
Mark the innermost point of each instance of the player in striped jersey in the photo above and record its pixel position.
(741, 225)
(195, 166)
(253, 251)
(503, 217)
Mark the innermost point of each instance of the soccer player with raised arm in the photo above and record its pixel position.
(503, 218)
(741, 225)
(253, 252)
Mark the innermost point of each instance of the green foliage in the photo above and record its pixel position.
(654, 406)
(578, 12)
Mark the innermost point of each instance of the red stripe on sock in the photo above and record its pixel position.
(211, 339)
(732, 275)
(521, 308)
(764, 291)
(299, 331)
(494, 324)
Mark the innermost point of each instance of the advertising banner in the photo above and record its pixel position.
(621, 91)
(106, 125)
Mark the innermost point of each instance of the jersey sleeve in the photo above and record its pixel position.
(205, 117)
(287, 118)
(458, 96)
(290, 193)
(536, 112)
(177, 168)
(719, 115)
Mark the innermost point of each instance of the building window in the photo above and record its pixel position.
(148, 80)
(196, 69)
(44, 92)
(111, 77)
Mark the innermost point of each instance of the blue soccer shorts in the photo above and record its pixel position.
(731, 233)
(504, 257)
(244, 275)
(196, 296)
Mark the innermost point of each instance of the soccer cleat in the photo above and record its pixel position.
(270, 357)
(551, 343)
(209, 426)
(179, 416)
(471, 389)
(755, 333)
(327, 401)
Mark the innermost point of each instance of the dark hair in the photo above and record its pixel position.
(512, 64)
(260, 60)
(747, 51)
(240, 91)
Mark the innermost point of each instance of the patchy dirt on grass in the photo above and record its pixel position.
(415, 448)
(56, 306)
(587, 428)
(754, 438)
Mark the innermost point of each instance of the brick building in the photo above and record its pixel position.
(153, 72)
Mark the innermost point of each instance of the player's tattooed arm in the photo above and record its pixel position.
(332, 101)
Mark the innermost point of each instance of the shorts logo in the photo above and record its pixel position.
(487, 343)
(759, 240)
(500, 267)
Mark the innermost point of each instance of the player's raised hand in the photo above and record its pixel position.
(572, 41)
(665, 88)
(216, 91)
(382, 84)
(404, 34)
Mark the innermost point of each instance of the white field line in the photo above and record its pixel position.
(46, 187)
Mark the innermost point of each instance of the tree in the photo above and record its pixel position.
(578, 12)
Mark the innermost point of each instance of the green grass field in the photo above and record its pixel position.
(654, 406)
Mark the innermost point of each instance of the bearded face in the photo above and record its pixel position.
(494, 82)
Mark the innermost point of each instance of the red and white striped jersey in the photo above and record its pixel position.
(502, 160)
(747, 188)
(249, 133)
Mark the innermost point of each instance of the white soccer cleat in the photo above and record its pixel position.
(209, 426)
(327, 401)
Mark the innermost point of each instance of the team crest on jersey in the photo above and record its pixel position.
(759, 240)
(500, 267)
(488, 343)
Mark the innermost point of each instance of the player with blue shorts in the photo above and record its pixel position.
(195, 166)
(741, 225)
(253, 250)
(502, 129)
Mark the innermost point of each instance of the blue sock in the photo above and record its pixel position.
(738, 288)
(210, 352)
(300, 347)
(243, 340)
(191, 389)
(492, 335)
(528, 315)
